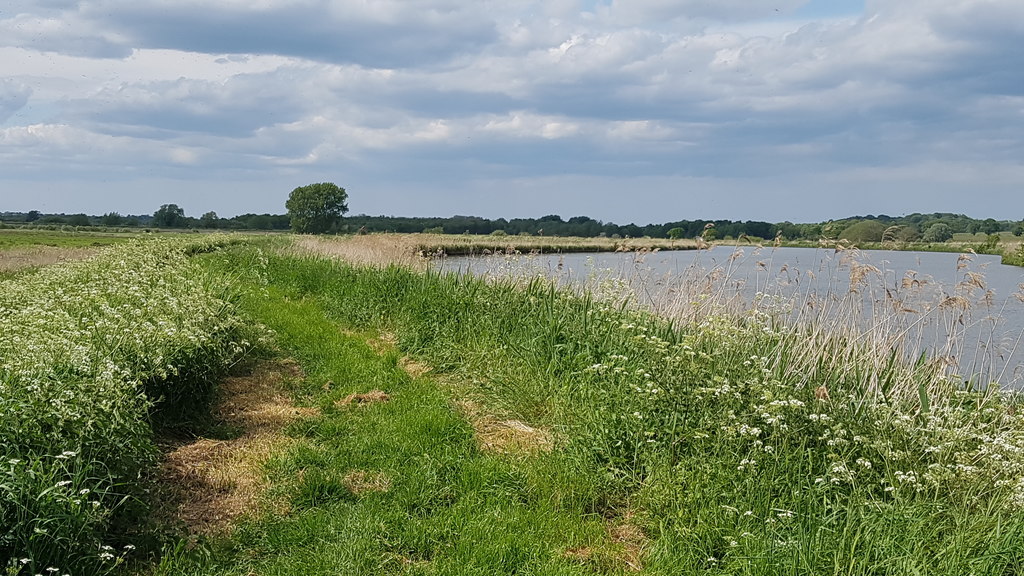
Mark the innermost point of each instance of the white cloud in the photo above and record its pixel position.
(13, 96)
(645, 12)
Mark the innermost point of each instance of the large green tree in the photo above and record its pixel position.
(938, 232)
(169, 216)
(316, 208)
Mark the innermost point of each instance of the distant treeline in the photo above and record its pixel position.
(935, 227)
(914, 227)
(163, 218)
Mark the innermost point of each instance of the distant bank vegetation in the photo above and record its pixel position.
(934, 227)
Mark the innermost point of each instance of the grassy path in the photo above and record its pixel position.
(394, 482)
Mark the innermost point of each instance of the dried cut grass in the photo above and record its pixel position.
(360, 482)
(623, 550)
(213, 482)
(371, 397)
(25, 257)
(414, 368)
(499, 436)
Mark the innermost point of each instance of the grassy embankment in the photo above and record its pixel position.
(93, 353)
(731, 444)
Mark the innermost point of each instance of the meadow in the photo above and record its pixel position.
(457, 425)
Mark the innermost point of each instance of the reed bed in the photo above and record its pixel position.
(415, 249)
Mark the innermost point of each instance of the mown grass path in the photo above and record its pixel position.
(397, 484)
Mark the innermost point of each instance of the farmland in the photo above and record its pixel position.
(449, 425)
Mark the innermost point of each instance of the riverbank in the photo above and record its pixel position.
(1011, 251)
(727, 445)
(443, 424)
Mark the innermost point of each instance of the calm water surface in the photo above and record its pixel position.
(973, 297)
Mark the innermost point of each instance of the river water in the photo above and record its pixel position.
(964, 308)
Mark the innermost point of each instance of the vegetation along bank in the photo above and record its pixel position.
(456, 426)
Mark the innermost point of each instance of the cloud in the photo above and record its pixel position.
(232, 108)
(13, 97)
(634, 12)
(62, 32)
(383, 33)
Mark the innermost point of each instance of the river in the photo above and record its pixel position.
(965, 308)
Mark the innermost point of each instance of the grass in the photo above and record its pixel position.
(11, 238)
(400, 485)
(22, 250)
(727, 445)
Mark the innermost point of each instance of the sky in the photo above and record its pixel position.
(622, 110)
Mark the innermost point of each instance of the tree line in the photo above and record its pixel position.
(935, 227)
(932, 227)
(167, 216)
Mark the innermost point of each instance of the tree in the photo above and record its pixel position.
(676, 233)
(169, 216)
(32, 216)
(989, 226)
(208, 220)
(938, 232)
(79, 220)
(316, 208)
(111, 219)
(864, 231)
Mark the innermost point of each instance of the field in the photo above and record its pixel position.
(25, 250)
(381, 418)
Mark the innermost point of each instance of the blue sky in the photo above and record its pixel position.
(629, 111)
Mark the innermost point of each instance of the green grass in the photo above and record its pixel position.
(448, 509)
(71, 239)
(711, 438)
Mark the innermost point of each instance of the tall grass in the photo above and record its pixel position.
(745, 444)
(91, 353)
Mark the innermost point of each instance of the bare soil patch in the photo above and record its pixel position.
(213, 482)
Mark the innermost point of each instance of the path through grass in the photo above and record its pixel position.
(397, 484)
